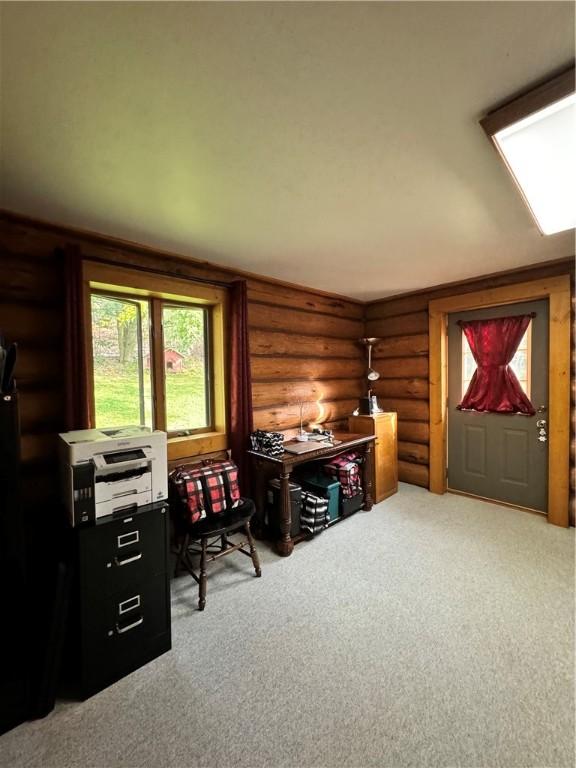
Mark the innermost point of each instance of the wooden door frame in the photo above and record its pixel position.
(557, 291)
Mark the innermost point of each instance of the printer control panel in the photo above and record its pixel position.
(83, 502)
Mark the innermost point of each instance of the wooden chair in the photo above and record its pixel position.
(209, 539)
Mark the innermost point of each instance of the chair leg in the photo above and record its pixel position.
(253, 553)
(223, 542)
(202, 596)
(181, 551)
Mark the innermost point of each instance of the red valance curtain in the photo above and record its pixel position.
(76, 382)
(494, 386)
(241, 422)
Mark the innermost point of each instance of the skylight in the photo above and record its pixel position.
(540, 151)
(535, 134)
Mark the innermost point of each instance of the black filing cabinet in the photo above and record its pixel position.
(120, 612)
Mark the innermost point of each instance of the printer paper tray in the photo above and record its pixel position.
(120, 489)
(123, 503)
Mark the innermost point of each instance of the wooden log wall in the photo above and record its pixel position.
(402, 360)
(302, 343)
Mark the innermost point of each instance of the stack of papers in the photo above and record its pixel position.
(312, 445)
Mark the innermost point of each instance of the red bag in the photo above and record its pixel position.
(345, 469)
(206, 490)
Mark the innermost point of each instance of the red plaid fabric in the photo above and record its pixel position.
(207, 490)
(214, 487)
(229, 472)
(345, 469)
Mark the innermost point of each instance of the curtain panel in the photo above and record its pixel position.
(494, 387)
(240, 382)
(75, 379)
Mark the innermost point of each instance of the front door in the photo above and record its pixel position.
(501, 456)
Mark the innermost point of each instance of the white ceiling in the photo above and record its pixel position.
(334, 145)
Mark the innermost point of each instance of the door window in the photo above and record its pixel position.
(520, 363)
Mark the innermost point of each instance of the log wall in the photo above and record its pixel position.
(302, 343)
(402, 360)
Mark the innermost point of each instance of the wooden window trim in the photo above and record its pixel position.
(557, 291)
(158, 386)
(122, 280)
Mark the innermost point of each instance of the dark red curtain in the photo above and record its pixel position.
(494, 386)
(240, 387)
(75, 379)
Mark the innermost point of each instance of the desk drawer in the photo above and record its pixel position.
(120, 553)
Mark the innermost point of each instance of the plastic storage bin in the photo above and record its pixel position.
(351, 505)
(325, 486)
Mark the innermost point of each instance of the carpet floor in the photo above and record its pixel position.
(431, 631)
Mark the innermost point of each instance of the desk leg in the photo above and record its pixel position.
(259, 497)
(285, 545)
(367, 476)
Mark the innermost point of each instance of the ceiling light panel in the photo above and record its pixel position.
(540, 151)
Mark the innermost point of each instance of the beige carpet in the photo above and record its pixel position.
(431, 631)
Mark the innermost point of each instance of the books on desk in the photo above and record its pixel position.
(313, 445)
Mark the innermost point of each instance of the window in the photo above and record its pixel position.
(123, 364)
(520, 363)
(121, 361)
(187, 367)
(157, 357)
(536, 136)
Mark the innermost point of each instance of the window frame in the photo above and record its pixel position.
(162, 290)
(158, 361)
(126, 297)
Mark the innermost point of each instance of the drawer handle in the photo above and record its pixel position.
(125, 539)
(128, 627)
(129, 605)
(128, 560)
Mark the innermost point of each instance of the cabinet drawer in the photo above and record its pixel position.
(120, 553)
(119, 633)
(125, 613)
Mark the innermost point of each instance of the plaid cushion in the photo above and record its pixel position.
(345, 469)
(206, 490)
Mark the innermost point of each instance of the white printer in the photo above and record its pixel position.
(112, 471)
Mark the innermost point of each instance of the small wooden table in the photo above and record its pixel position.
(385, 427)
(264, 468)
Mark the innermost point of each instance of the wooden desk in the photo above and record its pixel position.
(264, 468)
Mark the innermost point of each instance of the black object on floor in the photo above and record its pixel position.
(14, 673)
(45, 681)
(350, 505)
